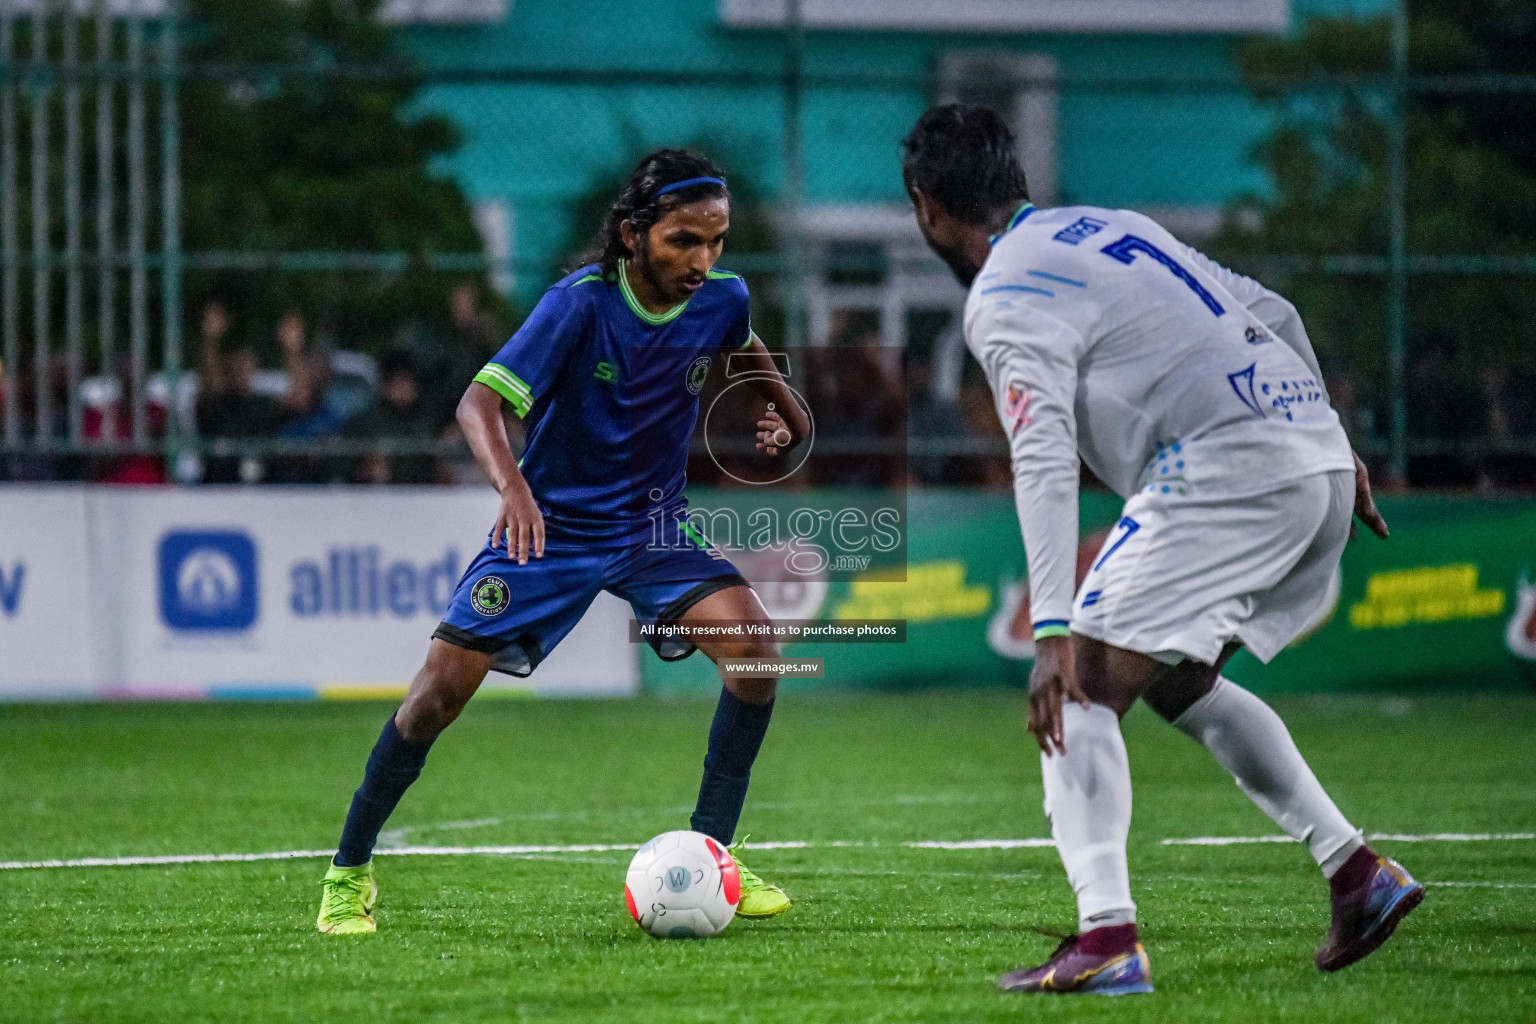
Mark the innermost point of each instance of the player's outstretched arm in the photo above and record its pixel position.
(785, 424)
(519, 521)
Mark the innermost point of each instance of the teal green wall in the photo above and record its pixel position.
(542, 146)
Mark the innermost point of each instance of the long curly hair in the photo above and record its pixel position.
(642, 207)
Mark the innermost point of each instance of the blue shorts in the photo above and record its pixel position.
(518, 613)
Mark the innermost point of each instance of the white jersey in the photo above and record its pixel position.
(1104, 337)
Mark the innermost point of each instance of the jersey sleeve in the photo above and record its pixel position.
(1030, 359)
(1273, 309)
(527, 365)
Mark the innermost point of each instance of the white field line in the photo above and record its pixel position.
(531, 850)
(394, 838)
(1392, 837)
(981, 844)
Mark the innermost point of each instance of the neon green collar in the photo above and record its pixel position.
(641, 311)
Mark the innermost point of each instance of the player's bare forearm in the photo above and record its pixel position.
(519, 521)
(1052, 682)
(479, 416)
(1365, 504)
(785, 411)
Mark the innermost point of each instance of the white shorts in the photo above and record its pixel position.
(1186, 575)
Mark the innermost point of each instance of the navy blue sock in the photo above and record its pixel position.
(734, 740)
(394, 764)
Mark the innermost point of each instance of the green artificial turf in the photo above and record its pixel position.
(880, 931)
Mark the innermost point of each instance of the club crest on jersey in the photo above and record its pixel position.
(1016, 407)
(490, 595)
(697, 374)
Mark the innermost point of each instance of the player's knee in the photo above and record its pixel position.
(1178, 691)
(749, 648)
(427, 711)
(754, 689)
(421, 720)
(763, 649)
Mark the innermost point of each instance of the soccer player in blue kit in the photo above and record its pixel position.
(606, 374)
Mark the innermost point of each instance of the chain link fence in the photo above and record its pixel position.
(1412, 256)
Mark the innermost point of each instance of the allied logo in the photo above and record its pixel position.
(1256, 335)
(1016, 406)
(207, 580)
(10, 589)
(490, 595)
(697, 373)
(678, 878)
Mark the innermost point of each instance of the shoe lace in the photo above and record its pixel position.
(1064, 945)
(343, 897)
(750, 882)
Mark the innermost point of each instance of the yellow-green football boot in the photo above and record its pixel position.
(346, 900)
(758, 898)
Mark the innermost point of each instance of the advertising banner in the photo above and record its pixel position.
(47, 587)
(334, 592)
(1448, 600)
(254, 592)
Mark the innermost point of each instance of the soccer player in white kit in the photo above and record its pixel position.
(1194, 394)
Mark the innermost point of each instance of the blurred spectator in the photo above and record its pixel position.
(855, 394)
(35, 465)
(309, 377)
(113, 424)
(400, 414)
(215, 327)
(228, 406)
(309, 416)
(933, 421)
(449, 358)
(980, 415)
(1511, 397)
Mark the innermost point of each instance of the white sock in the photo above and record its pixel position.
(1248, 739)
(1088, 799)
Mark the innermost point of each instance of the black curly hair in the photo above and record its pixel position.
(642, 207)
(964, 158)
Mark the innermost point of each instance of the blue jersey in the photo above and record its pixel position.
(610, 394)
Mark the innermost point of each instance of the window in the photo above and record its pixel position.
(443, 12)
(1019, 15)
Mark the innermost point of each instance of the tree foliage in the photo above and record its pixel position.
(1471, 168)
(280, 152)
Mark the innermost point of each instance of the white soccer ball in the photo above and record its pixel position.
(682, 885)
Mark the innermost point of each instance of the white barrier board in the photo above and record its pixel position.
(252, 592)
(47, 583)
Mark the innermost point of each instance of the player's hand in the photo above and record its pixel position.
(519, 523)
(1053, 678)
(1365, 505)
(773, 433)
